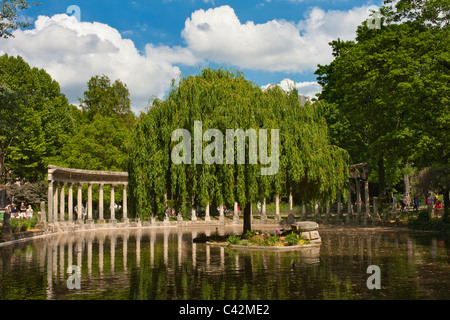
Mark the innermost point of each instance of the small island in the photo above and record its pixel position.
(301, 235)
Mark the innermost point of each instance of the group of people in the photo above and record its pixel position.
(22, 212)
(434, 202)
(406, 202)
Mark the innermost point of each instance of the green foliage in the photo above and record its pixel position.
(223, 99)
(8, 16)
(425, 223)
(22, 225)
(234, 239)
(293, 239)
(388, 90)
(35, 119)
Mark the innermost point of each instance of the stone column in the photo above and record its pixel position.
(50, 203)
(55, 202)
(89, 205)
(277, 209)
(125, 205)
(62, 204)
(304, 213)
(338, 217)
(291, 218)
(375, 210)
(111, 206)
(263, 212)
(80, 204)
(100, 204)
(349, 203)
(358, 198)
(236, 213)
(207, 216)
(316, 210)
(366, 200)
(70, 201)
(221, 215)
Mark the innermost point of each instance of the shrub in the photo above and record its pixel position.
(233, 239)
(293, 239)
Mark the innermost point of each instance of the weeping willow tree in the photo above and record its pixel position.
(211, 103)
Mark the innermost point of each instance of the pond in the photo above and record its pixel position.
(165, 264)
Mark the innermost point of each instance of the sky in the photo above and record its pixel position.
(147, 44)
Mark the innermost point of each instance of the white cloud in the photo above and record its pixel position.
(278, 45)
(72, 52)
(308, 89)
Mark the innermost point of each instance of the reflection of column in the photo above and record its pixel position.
(208, 257)
(50, 203)
(61, 259)
(100, 254)
(166, 247)
(100, 204)
(138, 248)
(113, 252)
(79, 204)
(49, 289)
(180, 247)
(194, 249)
(125, 250)
(152, 248)
(70, 252)
(222, 258)
(111, 206)
(89, 253)
(62, 204)
(70, 201)
(124, 204)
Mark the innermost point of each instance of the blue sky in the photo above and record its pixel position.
(147, 43)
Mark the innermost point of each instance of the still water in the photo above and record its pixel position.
(158, 264)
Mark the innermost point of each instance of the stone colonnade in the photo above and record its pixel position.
(59, 178)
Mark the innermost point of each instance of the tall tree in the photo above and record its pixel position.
(224, 100)
(389, 89)
(8, 16)
(34, 118)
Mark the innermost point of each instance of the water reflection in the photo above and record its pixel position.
(165, 264)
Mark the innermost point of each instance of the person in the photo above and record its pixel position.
(394, 202)
(13, 211)
(23, 211)
(407, 200)
(29, 213)
(403, 202)
(258, 205)
(416, 202)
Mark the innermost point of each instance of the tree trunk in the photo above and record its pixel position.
(406, 181)
(247, 218)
